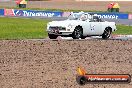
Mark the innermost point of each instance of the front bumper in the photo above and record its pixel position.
(60, 33)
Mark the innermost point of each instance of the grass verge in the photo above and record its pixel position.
(27, 28)
(123, 30)
(22, 28)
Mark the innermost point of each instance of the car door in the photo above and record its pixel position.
(92, 28)
(95, 28)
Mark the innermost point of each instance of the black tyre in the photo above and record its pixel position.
(81, 80)
(83, 37)
(52, 36)
(106, 34)
(78, 33)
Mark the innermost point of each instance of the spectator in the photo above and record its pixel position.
(110, 6)
(18, 1)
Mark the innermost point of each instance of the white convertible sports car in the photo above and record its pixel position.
(80, 25)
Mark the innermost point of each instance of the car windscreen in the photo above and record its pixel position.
(74, 16)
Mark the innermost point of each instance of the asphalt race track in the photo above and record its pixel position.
(113, 37)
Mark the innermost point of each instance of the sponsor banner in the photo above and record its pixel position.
(1, 12)
(31, 13)
(9, 12)
(82, 78)
(112, 15)
(130, 16)
(66, 14)
(103, 15)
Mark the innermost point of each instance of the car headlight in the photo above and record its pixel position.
(48, 25)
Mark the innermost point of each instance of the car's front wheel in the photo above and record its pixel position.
(52, 36)
(78, 33)
(83, 37)
(106, 34)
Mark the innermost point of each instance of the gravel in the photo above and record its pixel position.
(53, 64)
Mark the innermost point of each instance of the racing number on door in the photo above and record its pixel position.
(92, 27)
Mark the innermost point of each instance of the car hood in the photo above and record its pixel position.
(64, 23)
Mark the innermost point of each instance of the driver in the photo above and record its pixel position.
(96, 19)
(83, 17)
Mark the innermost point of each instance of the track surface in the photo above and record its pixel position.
(115, 37)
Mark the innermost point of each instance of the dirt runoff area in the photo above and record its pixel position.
(125, 6)
(53, 64)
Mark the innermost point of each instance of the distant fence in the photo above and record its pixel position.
(40, 13)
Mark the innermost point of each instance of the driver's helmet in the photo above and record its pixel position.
(83, 17)
(96, 18)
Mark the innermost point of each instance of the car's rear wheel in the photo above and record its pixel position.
(106, 34)
(52, 36)
(78, 33)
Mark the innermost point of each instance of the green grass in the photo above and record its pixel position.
(27, 28)
(124, 30)
(22, 28)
